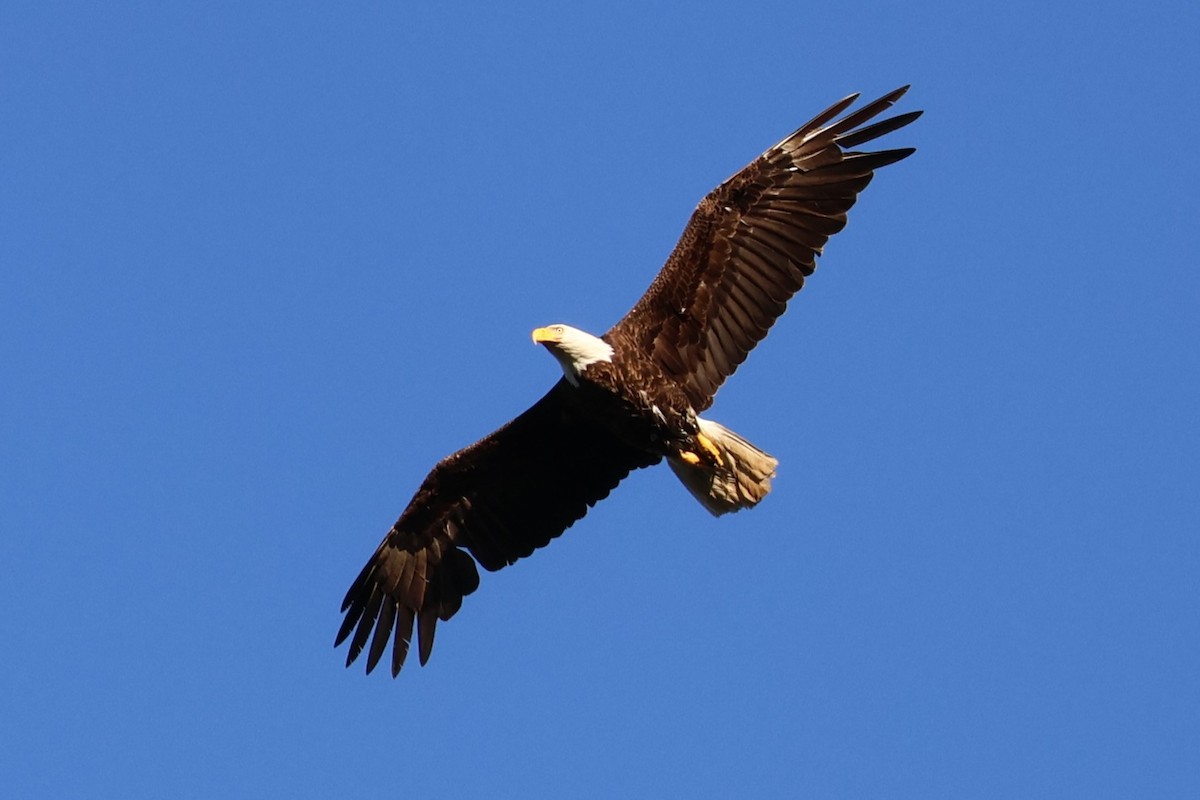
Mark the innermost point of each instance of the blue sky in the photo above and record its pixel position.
(262, 265)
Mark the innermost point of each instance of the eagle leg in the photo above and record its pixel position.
(707, 453)
(709, 447)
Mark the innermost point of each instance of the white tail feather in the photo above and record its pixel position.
(743, 480)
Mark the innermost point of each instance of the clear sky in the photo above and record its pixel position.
(261, 265)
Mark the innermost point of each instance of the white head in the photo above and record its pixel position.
(573, 348)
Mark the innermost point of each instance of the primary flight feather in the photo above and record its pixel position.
(632, 397)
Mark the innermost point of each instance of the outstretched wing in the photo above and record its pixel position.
(751, 243)
(500, 499)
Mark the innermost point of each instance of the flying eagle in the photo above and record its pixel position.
(632, 397)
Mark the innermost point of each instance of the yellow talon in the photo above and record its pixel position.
(689, 457)
(710, 448)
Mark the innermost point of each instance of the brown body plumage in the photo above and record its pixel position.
(632, 397)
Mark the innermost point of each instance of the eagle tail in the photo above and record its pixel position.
(740, 481)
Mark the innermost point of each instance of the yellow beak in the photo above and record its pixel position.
(543, 335)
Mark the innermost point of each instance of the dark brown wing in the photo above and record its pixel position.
(501, 498)
(751, 243)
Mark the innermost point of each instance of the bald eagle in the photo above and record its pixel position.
(632, 397)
